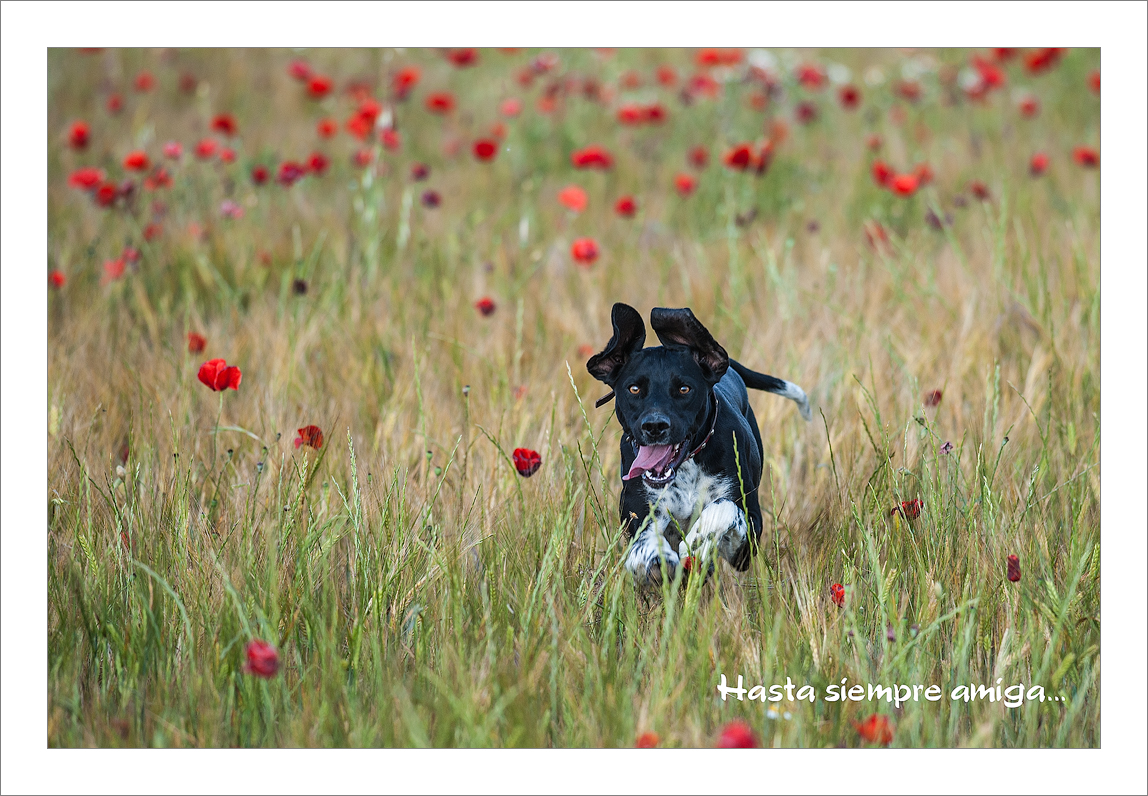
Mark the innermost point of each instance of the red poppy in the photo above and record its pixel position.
(626, 207)
(206, 148)
(196, 343)
(666, 75)
(909, 89)
(737, 735)
(526, 461)
(647, 740)
(882, 173)
(78, 135)
(630, 80)
(979, 190)
(875, 729)
(684, 184)
(225, 123)
(56, 279)
(319, 86)
(420, 171)
(698, 157)
(739, 157)
(592, 157)
(259, 174)
(363, 158)
(485, 149)
(1086, 156)
(574, 198)
(113, 270)
(904, 184)
(86, 178)
(218, 375)
(654, 114)
(173, 150)
(107, 194)
(510, 107)
(144, 81)
(262, 659)
(318, 163)
(227, 155)
(805, 112)
(405, 80)
(1013, 569)
(440, 102)
(1003, 54)
(584, 251)
(327, 128)
(310, 436)
(849, 97)
(811, 77)
(431, 199)
(391, 139)
(1038, 164)
(300, 70)
(463, 56)
(630, 113)
(688, 563)
(1029, 106)
(136, 161)
(909, 509)
(115, 103)
(1094, 81)
(152, 231)
(837, 594)
(933, 397)
(1043, 59)
(485, 306)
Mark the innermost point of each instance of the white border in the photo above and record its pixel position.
(28, 29)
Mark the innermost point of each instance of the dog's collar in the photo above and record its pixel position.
(713, 428)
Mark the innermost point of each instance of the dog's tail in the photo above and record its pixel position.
(786, 389)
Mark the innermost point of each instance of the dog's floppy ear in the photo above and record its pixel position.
(629, 337)
(681, 328)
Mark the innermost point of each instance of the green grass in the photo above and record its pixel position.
(420, 592)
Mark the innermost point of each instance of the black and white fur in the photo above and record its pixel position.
(684, 411)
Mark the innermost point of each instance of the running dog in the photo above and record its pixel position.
(691, 449)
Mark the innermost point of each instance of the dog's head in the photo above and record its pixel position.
(663, 394)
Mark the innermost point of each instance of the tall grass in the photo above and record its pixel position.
(419, 591)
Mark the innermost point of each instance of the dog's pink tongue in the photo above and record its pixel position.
(650, 457)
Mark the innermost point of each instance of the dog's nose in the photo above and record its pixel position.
(656, 427)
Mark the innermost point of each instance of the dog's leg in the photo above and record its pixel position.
(720, 529)
(649, 552)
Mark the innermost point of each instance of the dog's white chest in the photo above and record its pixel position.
(689, 493)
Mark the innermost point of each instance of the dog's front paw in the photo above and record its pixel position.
(720, 529)
(651, 563)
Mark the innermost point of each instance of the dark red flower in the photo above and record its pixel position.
(698, 157)
(391, 139)
(357, 126)
(805, 112)
(485, 306)
(463, 56)
(737, 735)
(875, 729)
(227, 155)
(1029, 106)
(206, 148)
(431, 199)
(1094, 81)
(300, 70)
(1043, 59)
(1013, 568)
(684, 184)
(259, 174)
(485, 149)
(420, 171)
(173, 150)
(630, 113)
(144, 81)
(188, 83)
(152, 231)
(837, 594)
(739, 157)
(811, 77)
(688, 563)
(666, 75)
(909, 509)
(56, 279)
(218, 375)
(113, 270)
(440, 102)
(130, 254)
(326, 128)
(1038, 164)
(654, 114)
(592, 157)
(584, 251)
(262, 659)
(405, 80)
(78, 135)
(1003, 54)
(225, 123)
(363, 158)
(86, 178)
(319, 86)
(310, 436)
(318, 163)
(904, 184)
(849, 97)
(574, 198)
(709, 56)
(107, 194)
(115, 104)
(196, 343)
(1086, 156)
(933, 397)
(979, 190)
(136, 161)
(626, 206)
(882, 173)
(909, 90)
(526, 461)
(647, 740)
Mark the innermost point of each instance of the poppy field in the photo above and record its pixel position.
(324, 463)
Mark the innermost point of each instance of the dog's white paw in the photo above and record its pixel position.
(651, 559)
(719, 529)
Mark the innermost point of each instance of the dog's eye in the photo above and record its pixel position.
(635, 389)
(684, 389)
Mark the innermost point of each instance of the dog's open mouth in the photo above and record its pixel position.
(657, 463)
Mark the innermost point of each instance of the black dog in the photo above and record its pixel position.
(683, 409)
